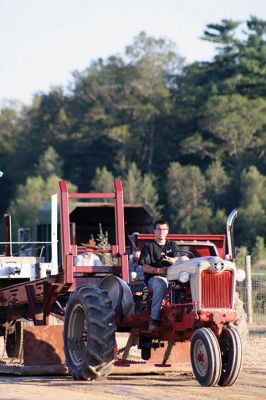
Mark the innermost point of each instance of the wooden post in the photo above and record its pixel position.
(8, 235)
(249, 289)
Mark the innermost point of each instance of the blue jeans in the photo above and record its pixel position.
(159, 286)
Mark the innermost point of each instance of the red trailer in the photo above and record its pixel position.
(25, 298)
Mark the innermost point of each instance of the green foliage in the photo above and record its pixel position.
(259, 251)
(189, 209)
(253, 183)
(236, 123)
(31, 196)
(239, 65)
(50, 164)
(136, 188)
(222, 34)
(11, 123)
(103, 244)
(132, 186)
(252, 220)
(252, 210)
(217, 184)
(141, 189)
(232, 130)
(241, 253)
(188, 140)
(103, 181)
(149, 195)
(124, 139)
(10, 120)
(217, 222)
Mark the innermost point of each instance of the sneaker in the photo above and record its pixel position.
(154, 324)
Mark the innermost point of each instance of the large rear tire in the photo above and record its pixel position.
(14, 339)
(205, 357)
(240, 324)
(89, 333)
(231, 351)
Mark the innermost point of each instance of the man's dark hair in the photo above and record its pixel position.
(160, 222)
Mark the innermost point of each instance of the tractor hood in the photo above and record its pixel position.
(214, 264)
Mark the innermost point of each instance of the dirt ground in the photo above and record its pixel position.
(251, 383)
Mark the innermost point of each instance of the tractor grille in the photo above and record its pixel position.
(216, 289)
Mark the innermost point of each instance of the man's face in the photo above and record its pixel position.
(88, 252)
(161, 231)
(136, 255)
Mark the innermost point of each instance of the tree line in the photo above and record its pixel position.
(187, 140)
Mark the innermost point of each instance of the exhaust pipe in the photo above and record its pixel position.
(229, 233)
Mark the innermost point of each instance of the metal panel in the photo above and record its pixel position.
(218, 240)
(69, 251)
(54, 223)
(43, 345)
(216, 289)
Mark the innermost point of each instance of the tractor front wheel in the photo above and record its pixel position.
(89, 333)
(205, 357)
(231, 350)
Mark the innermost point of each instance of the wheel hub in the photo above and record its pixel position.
(201, 357)
(77, 335)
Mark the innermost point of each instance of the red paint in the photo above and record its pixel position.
(218, 240)
(216, 289)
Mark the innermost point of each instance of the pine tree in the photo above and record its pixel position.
(104, 245)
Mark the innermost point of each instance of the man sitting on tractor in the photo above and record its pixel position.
(88, 258)
(155, 258)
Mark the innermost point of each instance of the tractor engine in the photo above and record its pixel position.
(179, 293)
(210, 281)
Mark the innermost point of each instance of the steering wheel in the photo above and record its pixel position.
(187, 253)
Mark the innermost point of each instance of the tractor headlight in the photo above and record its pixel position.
(184, 277)
(240, 275)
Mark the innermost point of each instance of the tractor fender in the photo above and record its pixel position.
(120, 294)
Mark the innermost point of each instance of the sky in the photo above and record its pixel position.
(42, 42)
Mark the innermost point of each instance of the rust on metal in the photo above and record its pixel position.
(178, 360)
(43, 345)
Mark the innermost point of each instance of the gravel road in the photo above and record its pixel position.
(251, 383)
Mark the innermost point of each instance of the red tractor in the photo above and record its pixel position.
(96, 302)
(200, 307)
